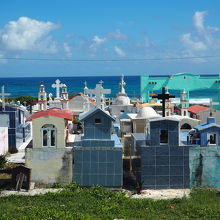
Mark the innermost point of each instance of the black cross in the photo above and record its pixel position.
(163, 97)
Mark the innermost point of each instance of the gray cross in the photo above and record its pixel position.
(3, 94)
(99, 93)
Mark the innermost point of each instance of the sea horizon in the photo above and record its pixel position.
(29, 86)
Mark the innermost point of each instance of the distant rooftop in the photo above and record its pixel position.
(197, 109)
(56, 112)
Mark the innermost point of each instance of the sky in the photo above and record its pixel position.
(104, 38)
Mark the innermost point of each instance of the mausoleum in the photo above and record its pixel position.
(98, 156)
(49, 158)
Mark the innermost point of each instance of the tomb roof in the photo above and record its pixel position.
(180, 117)
(89, 113)
(55, 112)
(82, 95)
(164, 118)
(122, 100)
(197, 109)
(206, 125)
(147, 112)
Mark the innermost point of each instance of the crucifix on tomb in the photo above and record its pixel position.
(164, 96)
(3, 94)
(99, 93)
(57, 85)
(122, 84)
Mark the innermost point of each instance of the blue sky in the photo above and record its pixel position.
(101, 29)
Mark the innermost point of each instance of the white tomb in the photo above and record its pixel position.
(121, 104)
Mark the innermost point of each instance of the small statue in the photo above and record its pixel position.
(50, 96)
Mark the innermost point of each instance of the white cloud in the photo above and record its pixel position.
(117, 35)
(27, 34)
(196, 45)
(97, 40)
(67, 49)
(198, 20)
(202, 39)
(119, 51)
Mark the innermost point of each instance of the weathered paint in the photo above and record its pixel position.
(59, 124)
(50, 165)
(204, 165)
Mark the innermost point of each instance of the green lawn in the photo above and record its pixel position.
(98, 203)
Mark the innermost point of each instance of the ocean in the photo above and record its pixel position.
(29, 86)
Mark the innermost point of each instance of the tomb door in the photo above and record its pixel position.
(49, 136)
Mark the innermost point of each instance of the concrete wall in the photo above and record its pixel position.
(76, 103)
(50, 165)
(59, 123)
(204, 165)
(202, 116)
(189, 121)
(125, 127)
(3, 140)
(118, 110)
(139, 125)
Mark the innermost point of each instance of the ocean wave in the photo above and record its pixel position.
(205, 101)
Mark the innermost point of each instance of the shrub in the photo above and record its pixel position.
(3, 161)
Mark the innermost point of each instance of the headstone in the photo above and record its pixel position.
(3, 94)
(99, 93)
(57, 86)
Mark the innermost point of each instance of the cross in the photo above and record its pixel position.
(57, 85)
(122, 84)
(99, 93)
(3, 94)
(85, 83)
(163, 97)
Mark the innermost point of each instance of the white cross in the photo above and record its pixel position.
(85, 88)
(122, 84)
(57, 85)
(99, 93)
(3, 94)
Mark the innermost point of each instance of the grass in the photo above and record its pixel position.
(75, 202)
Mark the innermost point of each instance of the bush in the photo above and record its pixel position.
(3, 161)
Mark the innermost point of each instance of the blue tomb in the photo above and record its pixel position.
(98, 156)
(164, 163)
(13, 117)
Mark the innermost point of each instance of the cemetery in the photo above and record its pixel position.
(86, 140)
